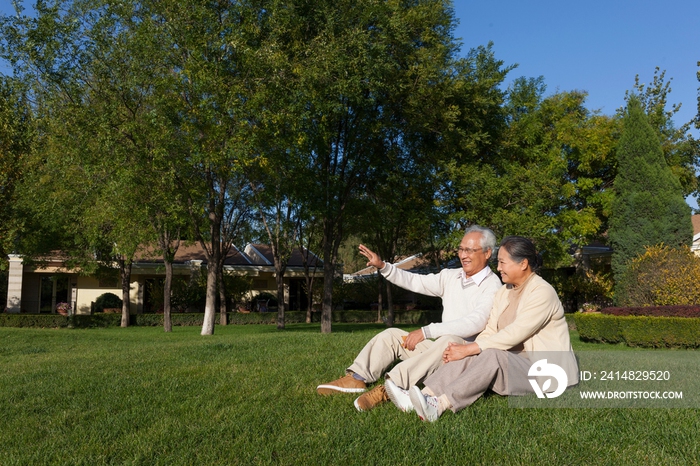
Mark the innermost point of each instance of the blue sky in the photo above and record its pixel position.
(594, 46)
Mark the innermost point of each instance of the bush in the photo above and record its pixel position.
(107, 301)
(656, 311)
(413, 317)
(96, 321)
(34, 320)
(644, 331)
(661, 276)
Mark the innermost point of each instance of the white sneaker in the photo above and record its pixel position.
(426, 406)
(398, 396)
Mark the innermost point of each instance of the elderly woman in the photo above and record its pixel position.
(526, 320)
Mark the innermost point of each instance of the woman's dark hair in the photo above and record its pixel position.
(521, 248)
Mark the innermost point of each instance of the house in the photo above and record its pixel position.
(39, 288)
(696, 234)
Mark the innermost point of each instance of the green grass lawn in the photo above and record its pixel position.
(247, 396)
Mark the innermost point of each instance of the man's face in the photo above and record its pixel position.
(472, 257)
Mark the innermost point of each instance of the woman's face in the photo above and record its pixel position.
(512, 273)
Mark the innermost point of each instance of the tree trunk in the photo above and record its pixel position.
(281, 304)
(309, 290)
(223, 308)
(125, 272)
(327, 307)
(380, 282)
(214, 262)
(210, 306)
(167, 293)
(328, 275)
(390, 306)
(309, 297)
(169, 250)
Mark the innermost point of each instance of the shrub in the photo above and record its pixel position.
(661, 276)
(96, 321)
(34, 320)
(107, 300)
(644, 331)
(413, 317)
(656, 311)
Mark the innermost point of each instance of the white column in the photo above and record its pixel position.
(136, 290)
(14, 284)
(74, 295)
(195, 268)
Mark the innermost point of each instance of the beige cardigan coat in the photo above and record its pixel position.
(539, 324)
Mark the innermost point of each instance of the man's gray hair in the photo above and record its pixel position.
(488, 239)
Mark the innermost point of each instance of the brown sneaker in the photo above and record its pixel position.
(347, 384)
(371, 399)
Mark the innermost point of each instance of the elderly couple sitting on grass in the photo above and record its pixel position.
(488, 337)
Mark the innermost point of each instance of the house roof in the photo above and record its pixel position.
(253, 254)
(188, 252)
(695, 219)
(263, 252)
(417, 263)
(259, 255)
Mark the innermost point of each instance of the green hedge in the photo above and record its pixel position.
(196, 319)
(34, 320)
(98, 320)
(643, 331)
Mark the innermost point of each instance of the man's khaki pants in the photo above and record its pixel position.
(386, 347)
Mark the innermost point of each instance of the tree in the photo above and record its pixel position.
(98, 84)
(106, 161)
(212, 51)
(276, 173)
(15, 145)
(681, 150)
(368, 75)
(281, 226)
(399, 216)
(649, 208)
(552, 179)
(308, 241)
(466, 153)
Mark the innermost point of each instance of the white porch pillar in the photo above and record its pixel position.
(14, 284)
(195, 268)
(74, 296)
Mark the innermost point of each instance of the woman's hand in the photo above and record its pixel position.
(457, 351)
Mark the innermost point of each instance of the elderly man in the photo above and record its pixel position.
(467, 294)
